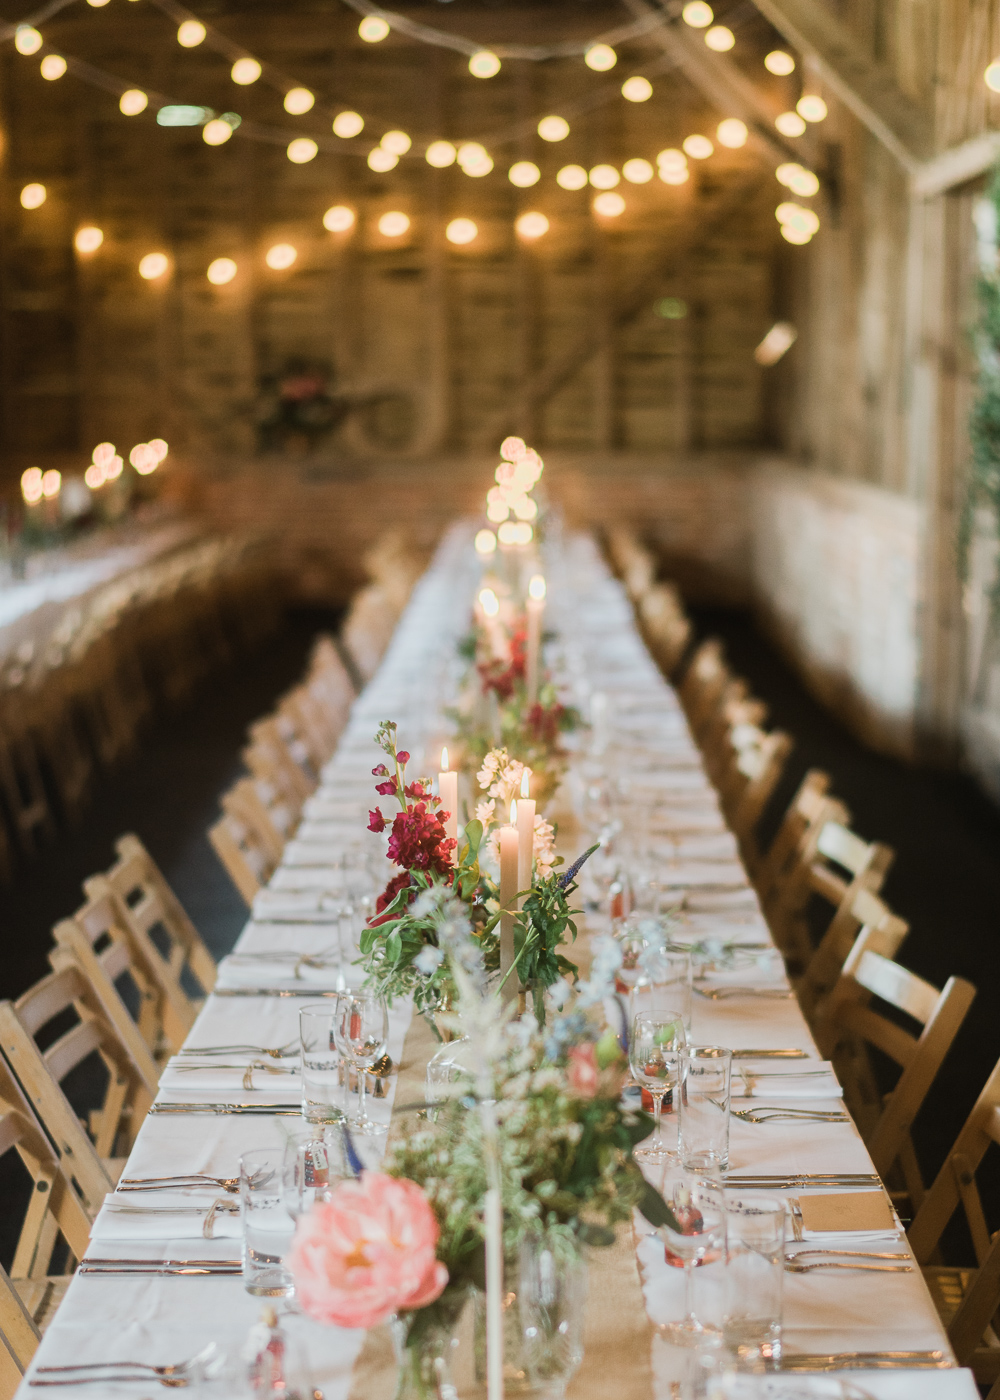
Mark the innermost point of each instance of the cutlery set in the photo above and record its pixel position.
(774, 1113)
(206, 1364)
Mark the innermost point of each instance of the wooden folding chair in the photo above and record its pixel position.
(92, 1162)
(311, 723)
(759, 760)
(738, 714)
(863, 912)
(244, 856)
(274, 753)
(157, 922)
(21, 783)
(632, 561)
(368, 628)
(703, 684)
(848, 1022)
(665, 626)
(243, 801)
(56, 1217)
(808, 810)
(19, 1337)
(967, 1299)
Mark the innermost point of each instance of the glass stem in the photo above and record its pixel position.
(689, 1291)
(362, 1077)
(657, 1095)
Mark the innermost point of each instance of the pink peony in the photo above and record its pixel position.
(366, 1253)
(582, 1072)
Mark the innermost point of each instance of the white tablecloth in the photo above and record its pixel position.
(600, 652)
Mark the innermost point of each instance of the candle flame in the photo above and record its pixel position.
(536, 588)
(513, 812)
(489, 602)
(444, 759)
(525, 776)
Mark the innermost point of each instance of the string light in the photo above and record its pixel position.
(245, 71)
(153, 265)
(348, 124)
(144, 458)
(637, 89)
(797, 223)
(604, 177)
(338, 218)
(132, 102)
(796, 178)
(672, 167)
(27, 39)
(779, 339)
(609, 205)
(88, 239)
(381, 161)
(732, 133)
(600, 57)
(102, 454)
(524, 174)
(31, 485)
(812, 107)
(779, 63)
(53, 66)
(790, 124)
(394, 224)
(191, 33)
(719, 38)
(220, 271)
(992, 76)
(302, 150)
(159, 447)
(281, 256)
(461, 231)
(697, 14)
(182, 114)
(97, 4)
(33, 196)
(484, 64)
(397, 142)
(51, 484)
(216, 132)
(515, 533)
(373, 29)
(440, 154)
(486, 542)
(532, 225)
(298, 101)
(637, 172)
(489, 602)
(115, 467)
(698, 147)
(572, 177)
(525, 509)
(95, 476)
(474, 159)
(553, 128)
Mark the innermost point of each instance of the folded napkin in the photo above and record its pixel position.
(847, 1215)
(188, 1074)
(311, 906)
(167, 1215)
(813, 1079)
(764, 969)
(245, 970)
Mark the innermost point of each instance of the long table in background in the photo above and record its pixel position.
(658, 769)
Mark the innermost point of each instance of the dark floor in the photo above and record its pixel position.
(945, 880)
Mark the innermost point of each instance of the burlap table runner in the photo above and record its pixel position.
(618, 1334)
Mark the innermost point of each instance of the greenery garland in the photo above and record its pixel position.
(983, 489)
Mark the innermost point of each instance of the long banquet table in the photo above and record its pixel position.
(598, 649)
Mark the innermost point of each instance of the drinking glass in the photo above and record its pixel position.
(656, 1040)
(267, 1230)
(322, 1074)
(664, 983)
(551, 1301)
(703, 1093)
(696, 1237)
(361, 1032)
(306, 1174)
(755, 1275)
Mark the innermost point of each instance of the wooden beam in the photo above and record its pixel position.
(706, 216)
(869, 89)
(956, 166)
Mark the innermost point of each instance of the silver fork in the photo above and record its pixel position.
(793, 1268)
(723, 993)
(281, 1052)
(181, 1368)
(771, 1115)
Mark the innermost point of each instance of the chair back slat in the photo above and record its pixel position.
(894, 984)
(840, 844)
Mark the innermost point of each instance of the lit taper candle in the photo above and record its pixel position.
(448, 793)
(508, 891)
(525, 833)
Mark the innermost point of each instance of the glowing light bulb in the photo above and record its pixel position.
(779, 63)
(132, 102)
(95, 476)
(373, 29)
(33, 196)
(532, 225)
(791, 234)
(524, 508)
(281, 256)
(115, 467)
(604, 177)
(348, 124)
(245, 71)
(779, 339)
(484, 64)
(719, 38)
(153, 265)
(397, 142)
(299, 100)
(461, 231)
(609, 205)
(992, 76)
(143, 457)
(474, 159)
(27, 39)
(102, 454)
(191, 33)
(732, 133)
(31, 485)
(637, 89)
(489, 602)
(497, 511)
(302, 150)
(159, 447)
(88, 239)
(338, 218)
(53, 67)
(220, 271)
(553, 128)
(600, 57)
(673, 174)
(697, 14)
(812, 107)
(797, 217)
(698, 147)
(394, 224)
(638, 171)
(381, 161)
(536, 589)
(440, 154)
(572, 177)
(51, 484)
(790, 124)
(486, 543)
(216, 132)
(524, 174)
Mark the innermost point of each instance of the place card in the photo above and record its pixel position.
(847, 1212)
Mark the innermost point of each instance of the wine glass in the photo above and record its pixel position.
(361, 1032)
(696, 1236)
(305, 1175)
(657, 1037)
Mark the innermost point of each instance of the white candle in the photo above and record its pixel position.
(493, 1221)
(525, 834)
(508, 891)
(448, 793)
(535, 609)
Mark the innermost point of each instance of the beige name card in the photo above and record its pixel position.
(849, 1210)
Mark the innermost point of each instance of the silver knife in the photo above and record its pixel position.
(790, 1054)
(276, 1110)
(866, 1361)
(274, 992)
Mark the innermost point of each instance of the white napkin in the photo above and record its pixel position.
(770, 1082)
(185, 1073)
(312, 906)
(713, 845)
(242, 970)
(707, 901)
(677, 874)
(163, 1215)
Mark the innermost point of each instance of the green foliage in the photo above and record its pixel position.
(984, 420)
